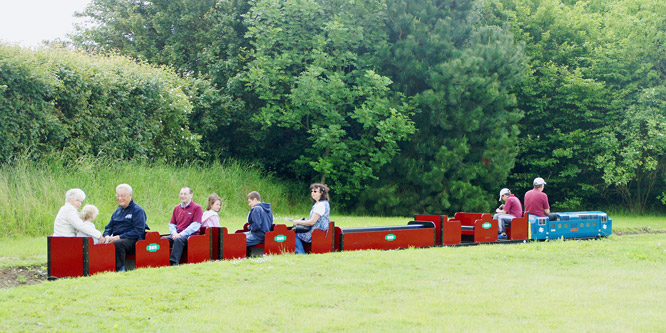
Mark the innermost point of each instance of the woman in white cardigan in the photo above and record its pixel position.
(68, 222)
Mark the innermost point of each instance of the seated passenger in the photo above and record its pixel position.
(260, 219)
(68, 222)
(511, 209)
(536, 201)
(185, 222)
(88, 215)
(210, 217)
(319, 215)
(127, 225)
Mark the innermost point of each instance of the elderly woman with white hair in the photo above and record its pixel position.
(68, 222)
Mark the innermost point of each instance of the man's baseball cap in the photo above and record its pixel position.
(503, 192)
(539, 181)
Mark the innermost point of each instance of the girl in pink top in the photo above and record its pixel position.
(210, 217)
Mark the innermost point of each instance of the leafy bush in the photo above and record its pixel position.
(64, 101)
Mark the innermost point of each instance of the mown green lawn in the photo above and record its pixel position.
(614, 284)
(631, 224)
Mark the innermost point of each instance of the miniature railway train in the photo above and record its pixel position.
(79, 256)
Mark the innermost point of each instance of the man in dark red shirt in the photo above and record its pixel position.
(185, 222)
(508, 211)
(536, 202)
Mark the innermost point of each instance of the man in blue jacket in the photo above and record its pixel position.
(127, 225)
(260, 219)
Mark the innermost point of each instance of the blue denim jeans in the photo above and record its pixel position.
(251, 240)
(502, 221)
(299, 246)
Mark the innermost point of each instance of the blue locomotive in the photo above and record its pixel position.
(570, 225)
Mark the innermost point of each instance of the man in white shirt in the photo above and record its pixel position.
(68, 221)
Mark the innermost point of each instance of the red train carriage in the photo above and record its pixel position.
(78, 256)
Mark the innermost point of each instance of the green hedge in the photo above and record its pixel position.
(58, 100)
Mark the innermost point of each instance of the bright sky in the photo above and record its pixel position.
(29, 22)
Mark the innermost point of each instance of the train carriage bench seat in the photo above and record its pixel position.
(231, 245)
(277, 241)
(518, 228)
(155, 251)
(322, 241)
(415, 234)
(152, 251)
(477, 227)
(78, 256)
(448, 232)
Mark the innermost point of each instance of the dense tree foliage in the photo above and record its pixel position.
(630, 61)
(310, 105)
(458, 71)
(311, 68)
(564, 107)
(57, 100)
(592, 64)
(401, 106)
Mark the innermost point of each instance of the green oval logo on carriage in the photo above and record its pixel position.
(153, 247)
(486, 225)
(280, 238)
(390, 237)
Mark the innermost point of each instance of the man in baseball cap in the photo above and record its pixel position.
(508, 211)
(536, 202)
(539, 181)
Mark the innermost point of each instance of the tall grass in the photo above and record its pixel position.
(35, 191)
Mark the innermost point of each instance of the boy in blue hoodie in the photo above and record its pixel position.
(260, 219)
